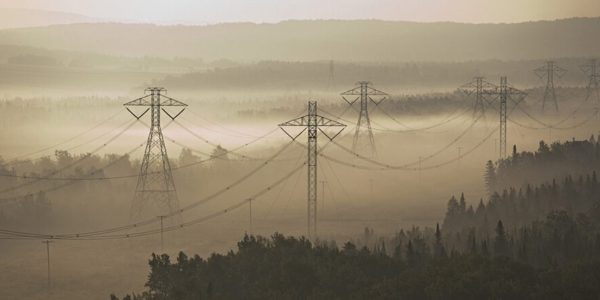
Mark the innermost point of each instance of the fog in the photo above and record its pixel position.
(71, 152)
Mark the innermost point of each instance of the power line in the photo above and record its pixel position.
(16, 158)
(439, 165)
(87, 156)
(168, 228)
(72, 181)
(238, 133)
(209, 142)
(451, 118)
(153, 220)
(421, 159)
(85, 178)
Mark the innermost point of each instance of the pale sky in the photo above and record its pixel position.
(216, 11)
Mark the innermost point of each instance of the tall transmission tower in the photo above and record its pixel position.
(505, 92)
(592, 70)
(480, 88)
(312, 123)
(365, 94)
(155, 186)
(549, 72)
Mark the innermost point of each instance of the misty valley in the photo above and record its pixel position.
(296, 160)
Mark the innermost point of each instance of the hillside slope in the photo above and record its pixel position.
(323, 40)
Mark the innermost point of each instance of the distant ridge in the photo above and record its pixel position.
(23, 18)
(366, 40)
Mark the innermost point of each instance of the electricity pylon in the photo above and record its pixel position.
(593, 72)
(480, 88)
(505, 92)
(364, 93)
(312, 123)
(549, 71)
(155, 186)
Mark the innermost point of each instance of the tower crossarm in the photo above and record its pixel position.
(142, 101)
(168, 101)
(591, 68)
(323, 121)
(301, 121)
(370, 91)
(304, 122)
(364, 90)
(470, 88)
(542, 72)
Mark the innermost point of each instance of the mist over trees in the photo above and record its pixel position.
(550, 161)
(537, 242)
(523, 227)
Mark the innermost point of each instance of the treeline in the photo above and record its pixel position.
(68, 188)
(519, 207)
(338, 76)
(33, 56)
(291, 268)
(29, 201)
(543, 206)
(539, 241)
(547, 162)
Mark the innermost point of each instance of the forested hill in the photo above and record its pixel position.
(20, 18)
(548, 162)
(366, 40)
(539, 242)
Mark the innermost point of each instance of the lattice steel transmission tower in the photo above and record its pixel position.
(480, 88)
(505, 92)
(365, 94)
(549, 72)
(592, 70)
(155, 189)
(312, 123)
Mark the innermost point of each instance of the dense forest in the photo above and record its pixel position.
(537, 242)
(290, 268)
(576, 158)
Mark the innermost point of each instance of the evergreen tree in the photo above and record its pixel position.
(490, 177)
(500, 242)
(438, 247)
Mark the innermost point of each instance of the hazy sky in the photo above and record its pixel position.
(213, 11)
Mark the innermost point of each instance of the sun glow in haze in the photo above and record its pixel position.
(216, 11)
